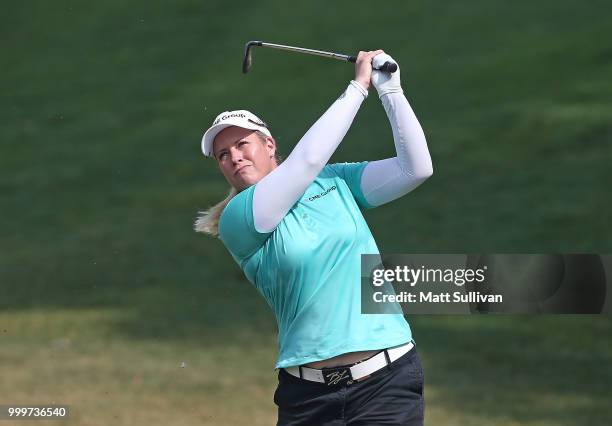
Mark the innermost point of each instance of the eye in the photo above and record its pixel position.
(222, 155)
(242, 143)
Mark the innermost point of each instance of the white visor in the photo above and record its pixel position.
(239, 118)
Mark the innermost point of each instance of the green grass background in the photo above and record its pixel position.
(105, 290)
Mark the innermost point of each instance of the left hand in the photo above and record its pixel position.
(363, 67)
(385, 82)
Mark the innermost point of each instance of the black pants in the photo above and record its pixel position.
(391, 396)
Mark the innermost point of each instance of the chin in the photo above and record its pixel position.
(244, 185)
(246, 179)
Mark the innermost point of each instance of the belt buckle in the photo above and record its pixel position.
(336, 375)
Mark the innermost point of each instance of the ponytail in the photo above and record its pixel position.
(208, 221)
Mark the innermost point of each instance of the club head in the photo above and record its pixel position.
(247, 61)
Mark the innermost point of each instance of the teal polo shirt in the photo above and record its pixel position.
(309, 268)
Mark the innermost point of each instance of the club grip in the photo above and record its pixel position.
(389, 67)
(386, 67)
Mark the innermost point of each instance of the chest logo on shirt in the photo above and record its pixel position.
(322, 194)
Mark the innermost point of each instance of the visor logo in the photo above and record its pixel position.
(258, 123)
(225, 117)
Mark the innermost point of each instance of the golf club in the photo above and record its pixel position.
(247, 62)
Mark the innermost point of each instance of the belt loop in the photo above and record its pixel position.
(300, 370)
(387, 359)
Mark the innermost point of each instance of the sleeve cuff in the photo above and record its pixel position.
(359, 87)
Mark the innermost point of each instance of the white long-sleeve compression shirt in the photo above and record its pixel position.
(382, 181)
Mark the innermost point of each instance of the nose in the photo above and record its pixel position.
(235, 155)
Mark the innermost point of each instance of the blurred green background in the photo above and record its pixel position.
(111, 304)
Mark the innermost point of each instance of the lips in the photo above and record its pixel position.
(241, 168)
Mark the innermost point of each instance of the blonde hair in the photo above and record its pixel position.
(208, 221)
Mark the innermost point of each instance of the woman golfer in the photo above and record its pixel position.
(296, 230)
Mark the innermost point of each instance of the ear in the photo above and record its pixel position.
(271, 146)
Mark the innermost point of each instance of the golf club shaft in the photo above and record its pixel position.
(333, 55)
(387, 66)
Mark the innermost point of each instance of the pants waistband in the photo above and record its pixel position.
(346, 374)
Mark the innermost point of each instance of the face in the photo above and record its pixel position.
(242, 156)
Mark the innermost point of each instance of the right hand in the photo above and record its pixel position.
(363, 67)
(385, 82)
